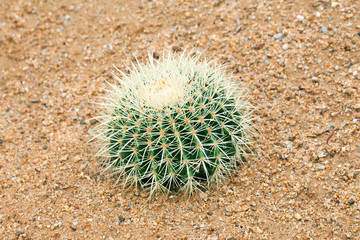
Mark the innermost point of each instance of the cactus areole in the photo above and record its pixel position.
(173, 124)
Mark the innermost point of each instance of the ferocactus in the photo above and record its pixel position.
(174, 124)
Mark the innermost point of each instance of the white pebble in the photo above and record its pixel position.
(298, 216)
(277, 36)
(322, 167)
(67, 17)
(324, 29)
(300, 17)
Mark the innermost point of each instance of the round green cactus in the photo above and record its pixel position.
(174, 124)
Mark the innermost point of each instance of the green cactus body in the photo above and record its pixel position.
(174, 124)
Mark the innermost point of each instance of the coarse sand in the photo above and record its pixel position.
(299, 59)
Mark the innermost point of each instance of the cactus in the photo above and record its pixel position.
(173, 124)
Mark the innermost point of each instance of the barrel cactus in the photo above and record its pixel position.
(173, 124)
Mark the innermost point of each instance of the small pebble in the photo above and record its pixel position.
(348, 91)
(285, 46)
(203, 195)
(44, 147)
(300, 17)
(144, 194)
(57, 224)
(267, 62)
(277, 36)
(318, 61)
(67, 17)
(334, 4)
(356, 107)
(121, 219)
(324, 29)
(317, 14)
(19, 232)
(322, 167)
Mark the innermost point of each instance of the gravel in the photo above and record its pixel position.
(306, 153)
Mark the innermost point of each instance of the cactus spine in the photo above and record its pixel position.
(174, 124)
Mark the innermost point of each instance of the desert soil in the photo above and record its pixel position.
(299, 60)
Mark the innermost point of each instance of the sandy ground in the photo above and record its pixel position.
(299, 60)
